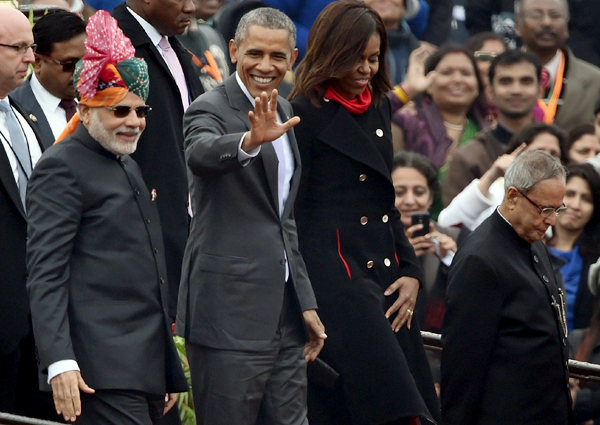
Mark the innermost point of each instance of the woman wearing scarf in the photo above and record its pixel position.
(363, 270)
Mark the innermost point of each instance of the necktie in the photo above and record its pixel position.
(545, 79)
(176, 70)
(20, 148)
(70, 108)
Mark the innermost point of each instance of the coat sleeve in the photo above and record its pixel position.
(211, 148)
(472, 319)
(54, 205)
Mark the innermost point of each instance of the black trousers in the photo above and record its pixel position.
(121, 407)
(249, 387)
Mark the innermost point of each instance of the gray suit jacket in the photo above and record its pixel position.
(24, 95)
(233, 275)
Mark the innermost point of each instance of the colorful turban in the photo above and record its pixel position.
(109, 70)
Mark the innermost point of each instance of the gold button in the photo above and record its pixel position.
(387, 262)
(379, 132)
(370, 264)
(364, 220)
(362, 177)
(385, 218)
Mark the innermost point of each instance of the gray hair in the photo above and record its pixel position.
(532, 167)
(518, 4)
(265, 17)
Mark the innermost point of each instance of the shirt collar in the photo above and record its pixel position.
(46, 99)
(504, 218)
(151, 32)
(552, 65)
(244, 89)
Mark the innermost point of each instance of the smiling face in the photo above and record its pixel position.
(580, 203)
(262, 58)
(116, 135)
(456, 82)
(353, 84)
(412, 193)
(515, 89)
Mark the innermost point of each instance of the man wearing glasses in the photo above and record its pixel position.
(19, 152)
(48, 94)
(97, 272)
(505, 352)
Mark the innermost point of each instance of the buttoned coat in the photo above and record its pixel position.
(24, 95)
(97, 274)
(233, 276)
(160, 148)
(354, 246)
(504, 358)
(14, 304)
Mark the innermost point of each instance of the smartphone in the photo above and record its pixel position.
(421, 217)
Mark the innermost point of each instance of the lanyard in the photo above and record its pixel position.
(552, 106)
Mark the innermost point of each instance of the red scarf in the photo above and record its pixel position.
(354, 106)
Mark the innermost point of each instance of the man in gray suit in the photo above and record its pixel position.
(246, 306)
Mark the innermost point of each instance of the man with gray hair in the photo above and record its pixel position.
(504, 336)
(246, 307)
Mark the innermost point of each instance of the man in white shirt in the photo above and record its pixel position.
(17, 136)
(48, 94)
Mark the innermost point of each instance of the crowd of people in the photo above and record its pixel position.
(298, 189)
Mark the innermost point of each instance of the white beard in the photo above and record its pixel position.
(108, 139)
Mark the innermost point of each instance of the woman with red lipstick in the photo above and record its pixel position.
(576, 239)
(363, 269)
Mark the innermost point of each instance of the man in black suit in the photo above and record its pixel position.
(505, 352)
(48, 94)
(246, 306)
(16, 54)
(151, 25)
(95, 255)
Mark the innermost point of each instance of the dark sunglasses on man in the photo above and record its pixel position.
(68, 66)
(123, 111)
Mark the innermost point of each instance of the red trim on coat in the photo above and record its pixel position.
(341, 256)
(396, 257)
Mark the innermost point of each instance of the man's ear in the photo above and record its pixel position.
(37, 64)
(85, 113)
(233, 50)
(293, 59)
(512, 194)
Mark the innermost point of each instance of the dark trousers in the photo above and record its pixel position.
(121, 407)
(249, 387)
(9, 365)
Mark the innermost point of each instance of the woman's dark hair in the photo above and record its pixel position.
(336, 43)
(476, 42)
(577, 133)
(432, 62)
(423, 165)
(528, 133)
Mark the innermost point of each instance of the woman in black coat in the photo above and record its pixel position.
(364, 272)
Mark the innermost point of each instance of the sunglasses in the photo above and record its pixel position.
(66, 66)
(484, 56)
(123, 111)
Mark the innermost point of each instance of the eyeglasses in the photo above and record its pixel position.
(123, 111)
(538, 15)
(545, 211)
(22, 49)
(484, 56)
(66, 66)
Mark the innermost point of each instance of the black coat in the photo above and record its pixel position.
(14, 304)
(505, 354)
(354, 247)
(97, 270)
(160, 149)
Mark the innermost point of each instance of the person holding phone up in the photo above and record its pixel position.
(416, 185)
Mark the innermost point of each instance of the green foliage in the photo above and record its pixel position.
(185, 401)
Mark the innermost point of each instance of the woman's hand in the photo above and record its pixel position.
(421, 244)
(416, 81)
(498, 169)
(446, 243)
(408, 289)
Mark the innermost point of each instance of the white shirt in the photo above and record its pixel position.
(552, 66)
(34, 148)
(56, 116)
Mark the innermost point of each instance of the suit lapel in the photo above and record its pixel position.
(343, 128)
(8, 181)
(34, 127)
(33, 110)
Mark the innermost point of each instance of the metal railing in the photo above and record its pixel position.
(579, 370)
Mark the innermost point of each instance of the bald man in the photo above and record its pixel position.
(20, 151)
